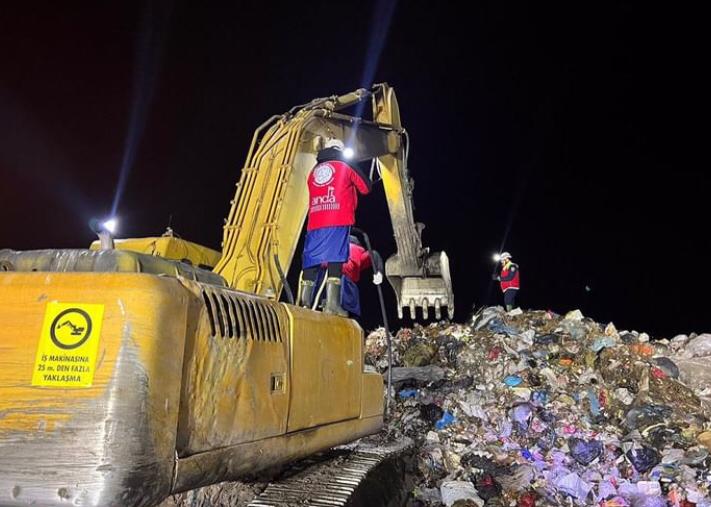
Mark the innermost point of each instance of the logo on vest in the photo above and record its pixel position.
(323, 174)
(325, 202)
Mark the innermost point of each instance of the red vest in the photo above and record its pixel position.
(514, 283)
(333, 194)
(358, 261)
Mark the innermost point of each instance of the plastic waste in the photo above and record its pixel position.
(575, 328)
(611, 330)
(574, 486)
(623, 394)
(527, 337)
(521, 415)
(546, 339)
(517, 480)
(667, 366)
(602, 343)
(527, 500)
(513, 380)
(643, 458)
(575, 315)
(583, 451)
(431, 412)
(497, 326)
(649, 488)
(540, 398)
(605, 489)
(487, 487)
(657, 373)
(452, 491)
(594, 403)
(647, 415)
(594, 417)
(628, 338)
(494, 353)
(420, 375)
(432, 437)
(446, 419)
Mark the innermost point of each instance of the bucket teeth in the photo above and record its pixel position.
(427, 305)
(428, 286)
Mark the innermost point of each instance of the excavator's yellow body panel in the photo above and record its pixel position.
(117, 389)
(168, 247)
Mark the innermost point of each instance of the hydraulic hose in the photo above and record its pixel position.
(385, 323)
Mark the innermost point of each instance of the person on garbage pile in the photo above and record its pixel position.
(359, 260)
(510, 280)
(334, 185)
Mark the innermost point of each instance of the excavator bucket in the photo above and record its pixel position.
(431, 287)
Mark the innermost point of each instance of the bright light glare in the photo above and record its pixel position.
(110, 225)
(348, 153)
(497, 257)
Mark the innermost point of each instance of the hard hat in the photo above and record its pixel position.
(505, 256)
(334, 143)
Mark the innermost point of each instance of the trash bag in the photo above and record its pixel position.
(521, 416)
(667, 366)
(584, 451)
(518, 480)
(498, 326)
(546, 339)
(444, 421)
(647, 415)
(643, 458)
(431, 412)
(698, 347)
(571, 484)
(487, 487)
(419, 376)
(453, 491)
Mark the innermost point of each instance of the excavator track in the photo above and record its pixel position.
(362, 476)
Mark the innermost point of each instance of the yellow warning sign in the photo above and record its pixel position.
(66, 355)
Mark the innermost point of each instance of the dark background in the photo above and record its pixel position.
(571, 127)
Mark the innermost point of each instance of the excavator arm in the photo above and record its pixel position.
(271, 200)
(419, 278)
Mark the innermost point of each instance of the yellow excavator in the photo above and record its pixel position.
(134, 372)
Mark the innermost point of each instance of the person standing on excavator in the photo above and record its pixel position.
(334, 185)
(359, 259)
(510, 280)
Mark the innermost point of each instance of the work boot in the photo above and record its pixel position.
(509, 308)
(333, 297)
(307, 293)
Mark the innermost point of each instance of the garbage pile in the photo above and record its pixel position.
(537, 409)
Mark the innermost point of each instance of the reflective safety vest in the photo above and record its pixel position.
(515, 282)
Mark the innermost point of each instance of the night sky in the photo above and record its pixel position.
(570, 127)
